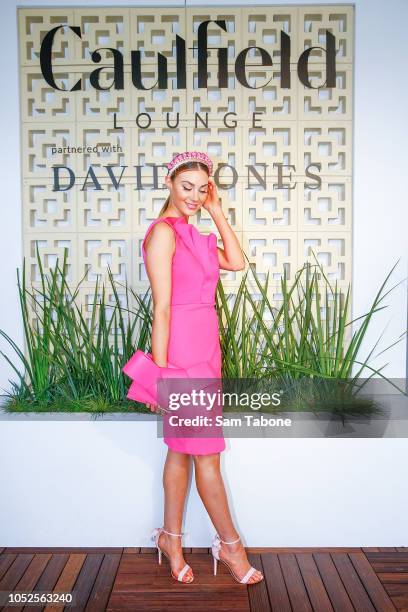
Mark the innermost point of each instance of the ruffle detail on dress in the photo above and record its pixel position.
(199, 244)
(145, 374)
(204, 248)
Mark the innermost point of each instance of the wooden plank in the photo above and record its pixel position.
(51, 573)
(84, 583)
(49, 576)
(275, 583)
(15, 572)
(176, 596)
(371, 583)
(370, 549)
(352, 583)
(333, 583)
(33, 572)
(131, 550)
(148, 550)
(199, 551)
(293, 579)
(313, 583)
(387, 577)
(63, 549)
(30, 578)
(394, 568)
(396, 589)
(134, 564)
(391, 557)
(387, 549)
(6, 559)
(398, 595)
(152, 549)
(258, 593)
(67, 579)
(101, 591)
(180, 601)
(260, 550)
(400, 603)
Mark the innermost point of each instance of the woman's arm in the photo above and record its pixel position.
(159, 247)
(231, 256)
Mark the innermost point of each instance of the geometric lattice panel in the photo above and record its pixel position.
(93, 159)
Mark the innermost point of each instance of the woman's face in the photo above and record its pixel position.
(188, 191)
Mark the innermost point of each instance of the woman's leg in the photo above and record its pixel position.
(175, 482)
(210, 487)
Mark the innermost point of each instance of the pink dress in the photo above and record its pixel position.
(194, 347)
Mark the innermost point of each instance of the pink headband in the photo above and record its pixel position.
(189, 156)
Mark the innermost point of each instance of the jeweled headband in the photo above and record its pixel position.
(189, 156)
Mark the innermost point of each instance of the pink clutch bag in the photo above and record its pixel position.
(145, 374)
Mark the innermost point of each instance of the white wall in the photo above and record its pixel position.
(99, 484)
(309, 491)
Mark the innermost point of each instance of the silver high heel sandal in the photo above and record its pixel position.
(155, 537)
(215, 549)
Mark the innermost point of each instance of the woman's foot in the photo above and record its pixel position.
(172, 547)
(236, 557)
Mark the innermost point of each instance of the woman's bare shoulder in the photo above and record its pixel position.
(161, 234)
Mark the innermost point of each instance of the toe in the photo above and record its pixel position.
(256, 577)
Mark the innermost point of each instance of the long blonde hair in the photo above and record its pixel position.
(191, 165)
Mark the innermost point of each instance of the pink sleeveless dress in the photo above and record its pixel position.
(194, 346)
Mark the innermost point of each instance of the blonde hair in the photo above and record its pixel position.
(191, 165)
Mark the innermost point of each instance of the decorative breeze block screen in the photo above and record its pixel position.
(294, 128)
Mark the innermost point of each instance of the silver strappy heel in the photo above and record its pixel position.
(215, 549)
(155, 536)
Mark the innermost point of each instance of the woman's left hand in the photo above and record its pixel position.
(212, 202)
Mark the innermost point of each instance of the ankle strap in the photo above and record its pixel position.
(224, 542)
(174, 534)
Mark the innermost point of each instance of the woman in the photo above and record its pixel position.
(183, 269)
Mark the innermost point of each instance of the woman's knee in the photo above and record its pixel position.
(176, 457)
(207, 462)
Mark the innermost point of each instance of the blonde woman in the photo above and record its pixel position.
(183, 269)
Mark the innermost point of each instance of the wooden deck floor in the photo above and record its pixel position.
(298, 579)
